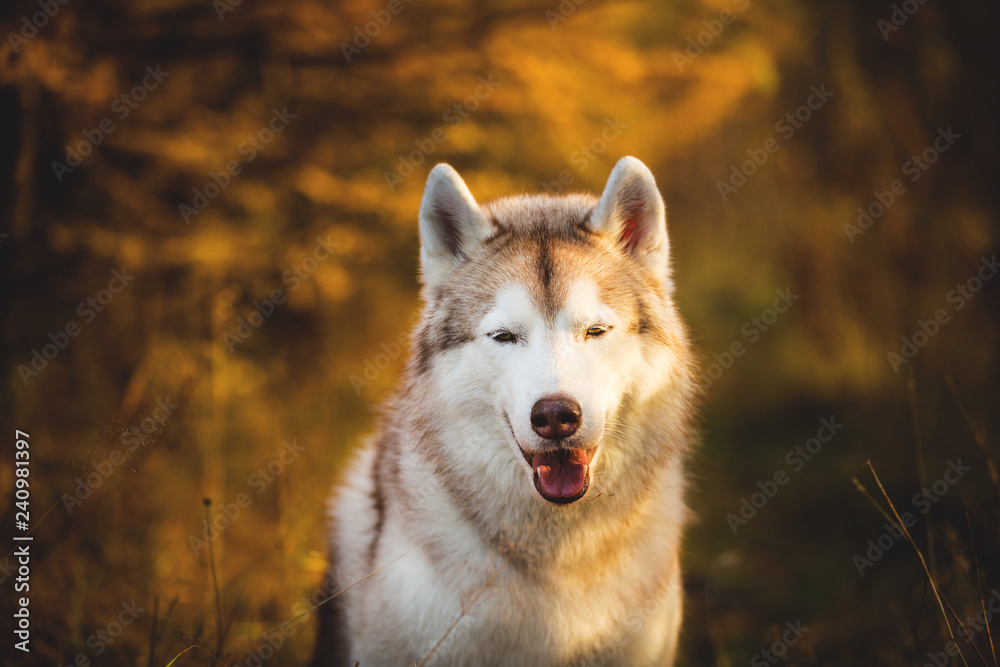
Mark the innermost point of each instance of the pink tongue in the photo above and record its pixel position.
(561, 474)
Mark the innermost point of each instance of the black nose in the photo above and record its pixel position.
(556, 418)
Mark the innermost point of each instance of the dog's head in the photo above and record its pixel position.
(548, 319)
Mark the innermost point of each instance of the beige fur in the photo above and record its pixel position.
(525, 297)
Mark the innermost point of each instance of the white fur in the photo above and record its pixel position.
(595, 582)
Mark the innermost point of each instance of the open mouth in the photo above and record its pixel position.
(561, 476)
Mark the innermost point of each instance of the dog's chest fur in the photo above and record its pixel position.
(537, 593)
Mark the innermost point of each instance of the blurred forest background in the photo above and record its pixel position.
(215, 153)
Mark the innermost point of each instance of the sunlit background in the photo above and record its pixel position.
(252, 172)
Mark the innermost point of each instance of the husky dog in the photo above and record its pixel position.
(524, 494)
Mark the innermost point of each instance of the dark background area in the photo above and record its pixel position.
(312, 215)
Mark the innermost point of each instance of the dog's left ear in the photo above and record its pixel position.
(452, 225)
(632, 210)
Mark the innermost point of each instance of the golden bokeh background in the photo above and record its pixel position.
(218, 152)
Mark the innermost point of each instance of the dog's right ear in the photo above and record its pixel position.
(451, 224)
(632, 210)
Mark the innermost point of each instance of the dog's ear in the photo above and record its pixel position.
(631, 209)
(451, 224)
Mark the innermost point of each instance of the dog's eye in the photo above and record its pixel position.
(503, 337)
(596, 331)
